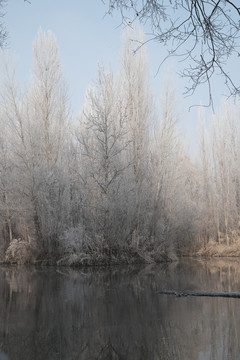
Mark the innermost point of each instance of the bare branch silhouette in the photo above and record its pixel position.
(202, 33)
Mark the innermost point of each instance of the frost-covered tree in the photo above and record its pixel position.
(47, 117)
(224, 142)
(167, 157)
(117, 184)
(102, 137)
(38, 121)
(139, 111)
(7, 203)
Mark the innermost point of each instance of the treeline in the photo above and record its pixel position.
(220, 178)
(114, 185)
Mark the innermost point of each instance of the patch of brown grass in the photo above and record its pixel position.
(219, 249)
(21, 252)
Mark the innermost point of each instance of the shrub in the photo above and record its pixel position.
(21, 252)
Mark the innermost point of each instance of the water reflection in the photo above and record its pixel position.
(117, 314)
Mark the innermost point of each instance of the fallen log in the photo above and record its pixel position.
(235, 295)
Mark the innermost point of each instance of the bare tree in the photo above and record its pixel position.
(3, 32)
(7, 202)
(102, 137)
(220, 177)
(210, 210)
(37, 135)
(166, 167)
(203, 34)
(225, 145)
(139, 108)
(47, 119)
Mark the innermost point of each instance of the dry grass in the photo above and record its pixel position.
(217, 249)
(21, 252)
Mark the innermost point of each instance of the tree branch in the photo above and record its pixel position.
(200, 293)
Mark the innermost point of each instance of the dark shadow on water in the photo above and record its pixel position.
(50, 313)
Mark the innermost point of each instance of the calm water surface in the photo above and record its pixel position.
(49, 313)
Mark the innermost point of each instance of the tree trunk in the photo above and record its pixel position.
(200, 293)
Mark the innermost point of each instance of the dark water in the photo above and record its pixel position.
(49, 313)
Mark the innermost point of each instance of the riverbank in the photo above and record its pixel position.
(23, 252)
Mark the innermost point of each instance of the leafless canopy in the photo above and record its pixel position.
(3, 32)
(203, 33)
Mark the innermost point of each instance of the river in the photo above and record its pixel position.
(96, 313)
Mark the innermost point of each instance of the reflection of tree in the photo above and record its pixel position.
(117, 314)
(108, 352)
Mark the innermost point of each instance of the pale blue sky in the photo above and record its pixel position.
(85, 37)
